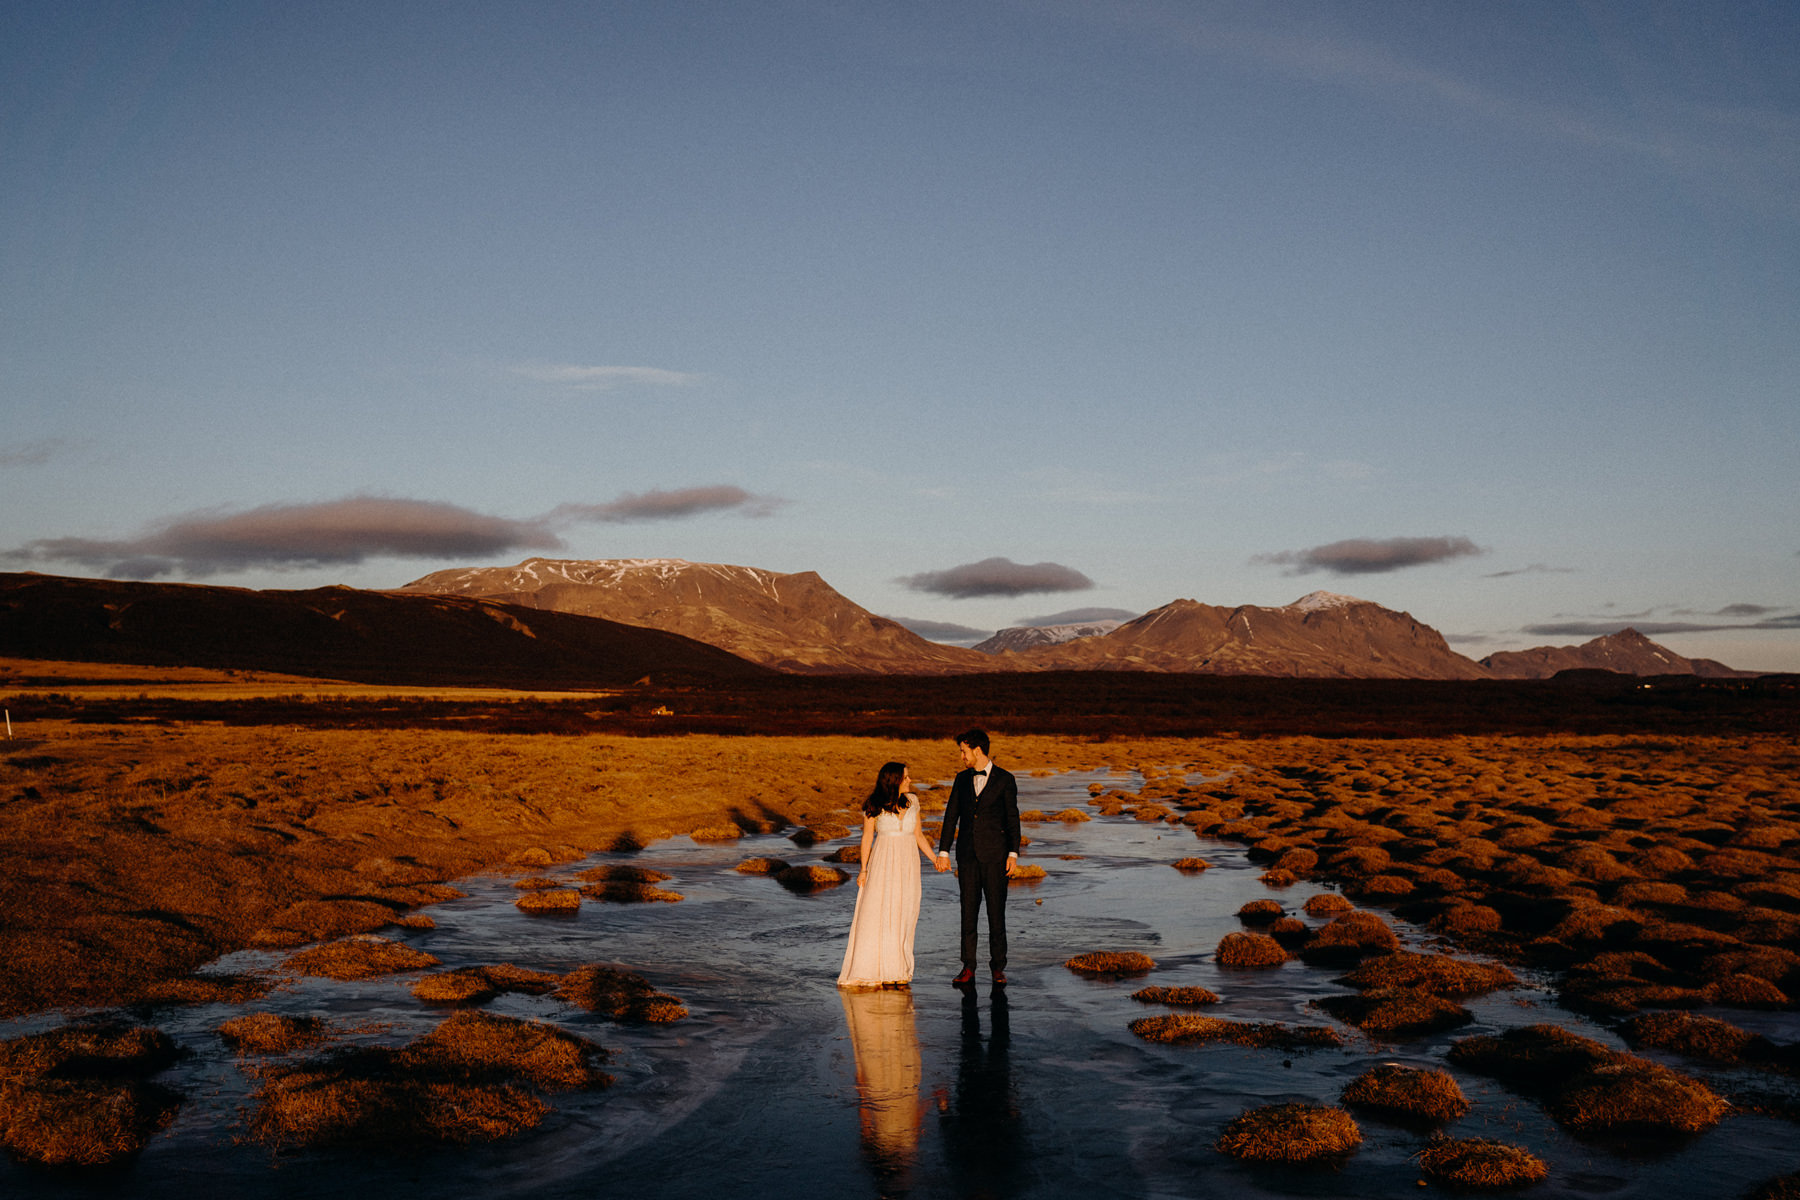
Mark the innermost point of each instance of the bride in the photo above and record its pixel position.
(880, 953)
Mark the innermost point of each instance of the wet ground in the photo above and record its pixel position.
(778, 1081)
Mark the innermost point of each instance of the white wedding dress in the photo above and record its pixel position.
(887, 906)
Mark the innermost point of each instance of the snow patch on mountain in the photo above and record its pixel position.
(1316, 601)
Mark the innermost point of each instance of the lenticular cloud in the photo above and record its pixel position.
(997, 577)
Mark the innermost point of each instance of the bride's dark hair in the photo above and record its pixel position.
(886, 797)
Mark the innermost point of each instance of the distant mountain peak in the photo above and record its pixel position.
(1314, 601)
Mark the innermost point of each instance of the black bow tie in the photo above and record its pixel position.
(983, 771)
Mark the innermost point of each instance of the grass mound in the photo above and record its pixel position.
(847, 855)
(1110, 964)
(1241, 949)
(273, 1033)
(1071, 816)
(1177, 1028)
(716, 833)
(810, 878)
(1480, 1163)
(465, 1081)
(1410, 1093)
(206, 989)
(79, 1096)
(761, 866)
(1350, 938)
(620, 994)
(1026, 873)
(1590, 1088)
(1396, 1012)
(1695, 1036)
(1326, 904)
(1259, 912)
(1782, 1187)
(1439, 974)
(477, 985)
(620, 891)
(1290, 1133)
(1180, 996)
(359, 958)
(556, 900)
(1190, 865)
(619, 873)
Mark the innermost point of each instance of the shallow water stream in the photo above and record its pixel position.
(778, 1081)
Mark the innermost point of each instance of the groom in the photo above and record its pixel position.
(982, 821)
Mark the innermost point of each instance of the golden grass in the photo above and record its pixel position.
(1589, 1088)
(1026, 873)
(1259, 912)
(1111, 964)
(1176, 1028)
(1408, 1093)
(1071, 816)
(1290, 1133)
(1240, 948)
(358, 958)
(1326, 904)
(1396, 1012)
(1349, 938)
(1193, 997)
(471, 1079)
(1693, 1035)
(273, 1033)
(556, 900)
(1439, 974)
(1191, 865)
(1480, 1163)
(477, 985)
(79, 1096)
(812, 877)
(762, 866)
(620, 994)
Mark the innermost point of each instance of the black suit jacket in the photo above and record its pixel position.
(984, 827)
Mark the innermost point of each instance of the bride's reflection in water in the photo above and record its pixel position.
(888, 1069)
(984, 1136)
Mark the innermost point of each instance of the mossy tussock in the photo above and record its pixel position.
(1191, 865)
(620, 891)
(478, 985)
(620, 994)
(1111, 964)
(1693, 1035)
(1411, 1094)
(1176, 1028)
(1254, 951)
(1480, 1163)
(358, 958)
(1398, 1012)
(621, 873)
(1349, 938)
(1260, 912)
(555, 902)
(1326, 904)
(1027, 873)
(1187, 997)
(761, 866)
(474, 1078)
(81, 1095)
(273, 1033)
(1291, 1133)
(1589, 1088)
(1439, 974)
(812, 877)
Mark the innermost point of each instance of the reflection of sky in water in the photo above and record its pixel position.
(777, 1080)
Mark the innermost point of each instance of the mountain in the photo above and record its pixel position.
(792, 622)
(342, 633)
(1025, 637)
(1321, 635)
(1626, 652)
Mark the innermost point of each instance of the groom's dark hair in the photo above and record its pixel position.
(974, 737)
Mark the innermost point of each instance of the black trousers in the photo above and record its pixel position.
(979, 881)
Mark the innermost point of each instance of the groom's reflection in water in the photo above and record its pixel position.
(984, 1137)
(888, 1068)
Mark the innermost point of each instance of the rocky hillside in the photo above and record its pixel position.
(1027, 637)
(794, 622)
(1322, 635)
(1626, 652)
(342, 633)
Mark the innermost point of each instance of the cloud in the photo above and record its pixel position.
(997, 577)
(29, 454)
(1730, 610)
(657, 505)
(1077, 616)
(332, 533)
(600, 379)
(1371, 556)
(352, 530)
(944, 631)
(1533, 569)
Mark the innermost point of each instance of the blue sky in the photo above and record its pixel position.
(1486, 313)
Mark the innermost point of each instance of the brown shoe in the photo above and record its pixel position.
(999, 978)
(967, 976)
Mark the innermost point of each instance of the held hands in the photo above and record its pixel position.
(941, 862)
